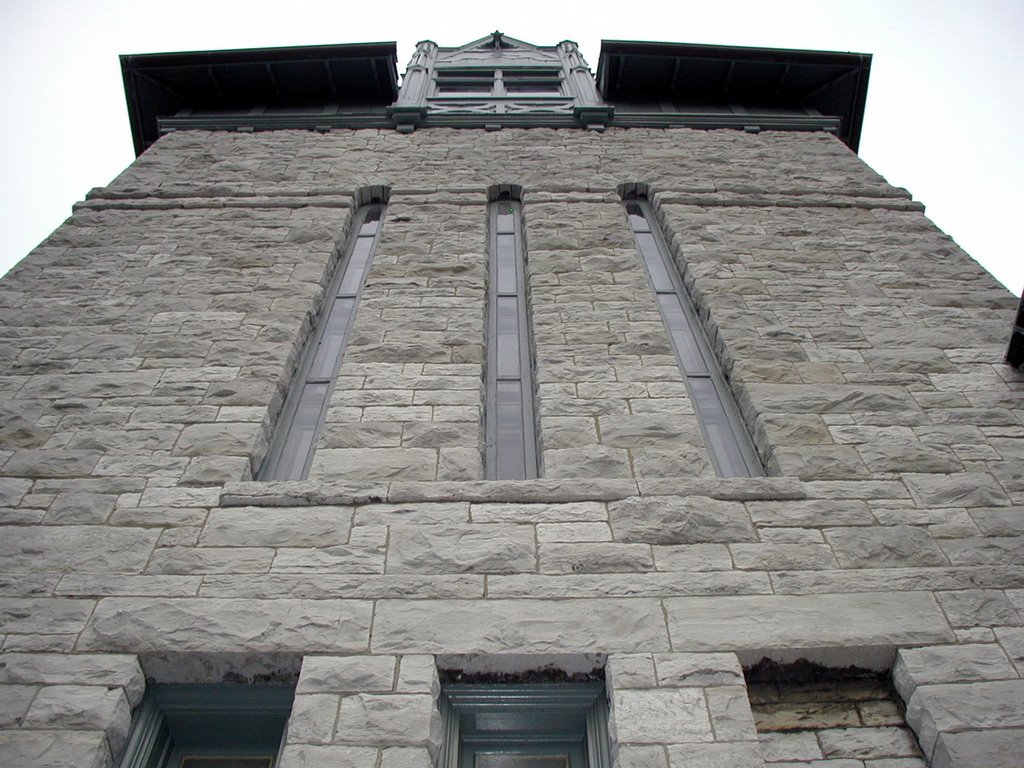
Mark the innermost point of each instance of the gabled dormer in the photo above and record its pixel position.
(498, 81)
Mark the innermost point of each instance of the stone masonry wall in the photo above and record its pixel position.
(147, 345)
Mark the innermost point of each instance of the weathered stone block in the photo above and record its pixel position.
(806, 621)
(136, 624)
(55, 749)
(90, 669)
(867, 743)
(735, 755)
(518, 626)
(679, 520)
(346, 674)
(397, 719)
(297, 755)
(585, 557)
(277, 527)
(312, 718)
(884, 547)
(949, 664)
(497, 548)
(669, 716)
(934, 710)
(978, 607)
(698, 669)
(370, 464)
(14, 703)
(965, 489)
(84, 707)
(631, 670)
(992, 748)
(96, 549)
(43, 615)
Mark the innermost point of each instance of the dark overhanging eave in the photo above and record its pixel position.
(161, 85)
(831, 83)
(1015, 351)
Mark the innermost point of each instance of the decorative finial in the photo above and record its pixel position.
(497, 42)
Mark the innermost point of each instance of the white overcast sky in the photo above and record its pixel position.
(944, 110)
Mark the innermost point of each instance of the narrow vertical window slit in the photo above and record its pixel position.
(302, 417)
(728, 442)
(510, 432)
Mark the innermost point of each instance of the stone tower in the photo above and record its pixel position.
(513, 416)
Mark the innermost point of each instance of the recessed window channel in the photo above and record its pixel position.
(728, 442)
(511, 443)
(291, 451)
(541, 725)
(209, 726)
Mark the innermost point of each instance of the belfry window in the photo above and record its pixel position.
(302, 417)
(728, 442)
(541, 725)
(511, 442)
(518, 82)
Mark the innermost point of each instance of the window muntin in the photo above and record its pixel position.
(540, 725)
(727, 440)
(499, 82)
(510, 433)
(301, 420)
(208, 726)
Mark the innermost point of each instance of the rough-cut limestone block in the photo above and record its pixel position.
(934, 710)
(679, 520)
(829, 398)
(979, 608)
(741, 754)
(698, 669)
(805, 621)
(630, 670)
(277, 527)
(14, 703)
(43, 615)
(219, 439)
(297, 755)
(523, 626)
(643, 756)
(949, 664)
(996, 748)
(137, 624)
(636, 585)
(963, 489)
(884, 547)
(79, 669)
(867, 743)
(730, 713)
(798, 745)
(585, 557)
(80, 548)
(661, 716)
(418, 674)
(369, 464)
(312, 718)
(343, 674)
(55, 749)
(47, 463)
(85, 707)
(397, 719)
(992, 551)
(406, 757)
(492, 548)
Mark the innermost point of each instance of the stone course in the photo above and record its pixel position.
(148, 344)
